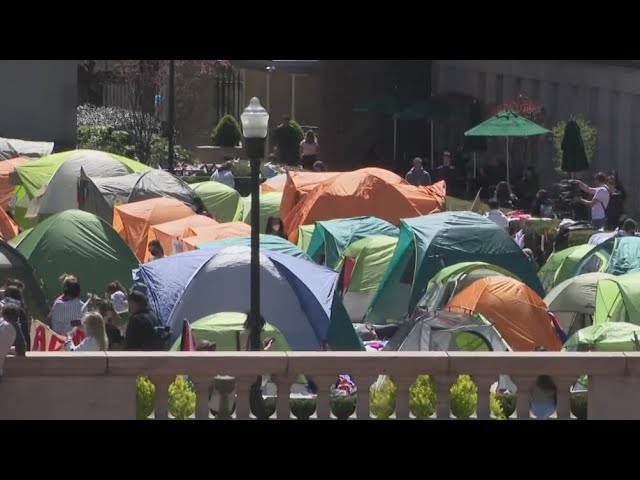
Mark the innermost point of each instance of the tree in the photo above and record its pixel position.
(143, 79)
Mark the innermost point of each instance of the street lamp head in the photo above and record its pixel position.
(255, 120)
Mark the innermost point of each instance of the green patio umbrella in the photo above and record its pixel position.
(574, 158)
(506, 124)
(392, 104)
(430, 109)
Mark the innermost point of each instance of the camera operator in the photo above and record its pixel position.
(599, 200)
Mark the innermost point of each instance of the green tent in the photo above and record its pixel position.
(269, 207)
(428, 244)
(331, 237)
(14, 265)
(573, 301)
(305, 232)
(226, 328)
(371, 257)
(618, 300)
(560, 265)
(267, 242)
(82, 244)
(617, 256)
(222, 202)
(609, 337)
(15, 241)
(453, 279)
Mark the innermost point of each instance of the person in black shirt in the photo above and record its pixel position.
(446, 171)
(13, 294)
(141, 334)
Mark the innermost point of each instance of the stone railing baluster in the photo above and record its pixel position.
(243, 400)
(323, 405)
(283, 407)
(524, 383)
(202, 387)
(363, 408)
(443, 386)
(563, 389)
(403, 412)
(161, 404)
(483, 410)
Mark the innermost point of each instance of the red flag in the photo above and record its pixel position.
(347, 271)
(188, 342)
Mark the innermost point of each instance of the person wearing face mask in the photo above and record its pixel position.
(274, 227)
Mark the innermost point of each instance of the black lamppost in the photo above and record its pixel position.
(255, 126)
(170, 127)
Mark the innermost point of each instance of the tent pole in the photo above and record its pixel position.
(432, 147)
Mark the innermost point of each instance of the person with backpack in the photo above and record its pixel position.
(600, 197)
(144, 330)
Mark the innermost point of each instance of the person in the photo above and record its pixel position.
(69, 308)
(528, 187)
(445, 171)
(206, 346)
(532, 258)
(320, 166)
(418, 176)
(599, 201)
(156, 250)
(615, 210)
(308, 150)
(10, 335)
(96, 336)
(13, 294)
(495, 214)
(543, 395)
(224, 175)
(199, 208)
(274, 227)
(143, 328)
(117, 294)
(504, 196)
(542, 207)
(111, 323)
(629, 228)
(270, 169)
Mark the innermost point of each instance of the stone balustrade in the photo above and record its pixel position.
(74, 385)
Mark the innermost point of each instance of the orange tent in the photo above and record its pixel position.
(8, 228)
(515, 311)
(7, 188)
(167, 232)
(366, 192)
(298, 186)
(274, 184)
(201, 235)
(132, 220)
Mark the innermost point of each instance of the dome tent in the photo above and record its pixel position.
(298, 297)
(617, 256)
(52, 181)
(80, 243)
(222, 202)
(269, 207)
(561, 265)
(200, 235)
(98, 195)
(267, 242)
(331, 237)
(618, 299)
(608, 337)
(167, 233)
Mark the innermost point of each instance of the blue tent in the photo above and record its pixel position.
(298, 297)
(272, 243)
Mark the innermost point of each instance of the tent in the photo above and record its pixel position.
(573, 301)
(167, 232)
(274, 184)
(52, 182)
(298, 186)
(8, 227)
(297, 296)
(15, 241)
(14, 265)
(226, 330)
(272, 243)
(222, 202)
(617, 256)
(200, 235)
(7, 169)
(80, 243)
(269, 207)
(99, 195)
(368, 191)
(331, 237)
(451, 280)
(428, 244)
(132, 220)
(363, 264)
(14, 147)
(618, 299)
(517, 313)
(608, 337)
(305, 232)
(560, 265)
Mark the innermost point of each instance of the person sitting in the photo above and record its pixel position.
(96, 335)
(496, 216)
(274, 227)
(156, 250)
(68, 308)
(224, 175)
(504, 196)
(418, 176)
(629, 228)
(542, 207)
(319, 166)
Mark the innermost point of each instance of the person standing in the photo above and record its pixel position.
(599, 201)
(69, 308)
(156, 250)
(308, 150)
(224, 175)
(143, 328)
(418, 176)
(446, 171)
(274, 227)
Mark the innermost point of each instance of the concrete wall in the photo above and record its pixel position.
(608, 96)
(38, 100)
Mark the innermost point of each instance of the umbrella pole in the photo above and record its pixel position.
(508, 160)
(395, 139)
(431, 144)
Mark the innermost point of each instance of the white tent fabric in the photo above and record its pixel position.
(12, 148)
(222, 285)
(61, 193)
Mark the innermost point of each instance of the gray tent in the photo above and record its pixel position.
(99, 195)
(12, 148)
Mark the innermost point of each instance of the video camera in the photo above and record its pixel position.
(564, 195)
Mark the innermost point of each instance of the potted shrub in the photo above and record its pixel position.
(288, 137)
(227, 132)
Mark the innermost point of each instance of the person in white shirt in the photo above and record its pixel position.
(599, 200)
(68, 308)
(308, 150)
(224, 175)
(96, 339)
(496, 215)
